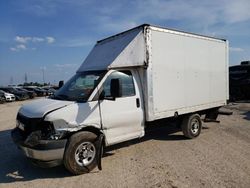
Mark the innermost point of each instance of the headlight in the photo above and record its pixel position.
(58, 134)
(19, 125)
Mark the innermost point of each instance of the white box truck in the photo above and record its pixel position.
(138, 76)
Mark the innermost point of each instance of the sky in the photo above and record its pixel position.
(55, 36)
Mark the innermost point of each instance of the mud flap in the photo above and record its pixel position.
(100, 151)
(211, 115)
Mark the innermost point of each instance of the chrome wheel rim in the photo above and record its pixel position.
(85, 153)
(195, 125)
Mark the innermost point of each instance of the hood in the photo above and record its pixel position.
(8, 94)
(40, 107)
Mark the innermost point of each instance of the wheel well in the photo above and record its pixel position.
(88, 128)
(91, 129)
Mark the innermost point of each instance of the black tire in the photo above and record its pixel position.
(191, 125)
(75, 141)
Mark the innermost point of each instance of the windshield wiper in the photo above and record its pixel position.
(61, 97)
(81, 100)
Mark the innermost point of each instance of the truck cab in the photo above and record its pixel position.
(100, 102)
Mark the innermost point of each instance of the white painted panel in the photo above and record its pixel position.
(122, 120)
(188, 73)
(76, 115)
(124, 50)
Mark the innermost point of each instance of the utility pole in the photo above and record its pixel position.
(25, 78)
(43, 70)
(11, 80)
(43, 76)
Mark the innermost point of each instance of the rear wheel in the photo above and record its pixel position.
(81, 153)
(191, 125)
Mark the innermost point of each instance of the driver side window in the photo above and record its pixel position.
(126, 81)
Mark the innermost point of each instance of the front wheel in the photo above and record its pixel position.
(191, 125)
(81, 153)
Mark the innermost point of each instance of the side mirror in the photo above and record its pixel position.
(115, 88)
(61, 83)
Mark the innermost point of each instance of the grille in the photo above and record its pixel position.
(30, 124)
(36, 124)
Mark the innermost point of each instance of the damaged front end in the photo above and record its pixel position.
(39, 141)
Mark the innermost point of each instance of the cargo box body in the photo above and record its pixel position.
(186, 73)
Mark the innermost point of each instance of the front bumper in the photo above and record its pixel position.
(44, 151)
(9, 98)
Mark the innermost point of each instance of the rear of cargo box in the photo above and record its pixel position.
(186, 73)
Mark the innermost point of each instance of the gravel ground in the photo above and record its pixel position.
(219, 157)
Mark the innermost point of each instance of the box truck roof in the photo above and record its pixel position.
(126, 49)
(161, 28)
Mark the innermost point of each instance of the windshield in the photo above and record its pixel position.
(79, 87)
(11, 90)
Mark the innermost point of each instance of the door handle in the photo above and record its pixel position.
(137, 103)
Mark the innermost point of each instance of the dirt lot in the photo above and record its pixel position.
(219, 157)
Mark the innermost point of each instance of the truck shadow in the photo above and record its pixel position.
(15, 167)
(159, 132)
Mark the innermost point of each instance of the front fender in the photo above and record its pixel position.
(76, 117)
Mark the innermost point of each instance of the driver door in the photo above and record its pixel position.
(122, 118)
